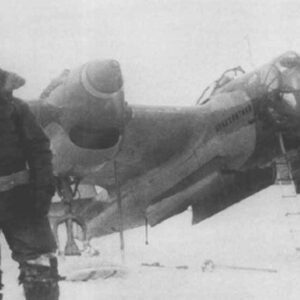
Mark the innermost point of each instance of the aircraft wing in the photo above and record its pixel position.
(154, 137)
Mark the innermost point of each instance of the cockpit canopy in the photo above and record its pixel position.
(281, 75)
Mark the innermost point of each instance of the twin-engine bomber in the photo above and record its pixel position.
(156, 161)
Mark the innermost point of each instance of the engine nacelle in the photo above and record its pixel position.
(91, 103)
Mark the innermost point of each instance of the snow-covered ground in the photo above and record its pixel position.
(254, 233)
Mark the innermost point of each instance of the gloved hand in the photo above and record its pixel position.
(43, 196)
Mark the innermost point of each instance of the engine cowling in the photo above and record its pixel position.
(91, 102)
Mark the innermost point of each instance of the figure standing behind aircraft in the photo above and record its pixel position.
(26, 192)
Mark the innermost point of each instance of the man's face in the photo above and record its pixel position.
(12, 82)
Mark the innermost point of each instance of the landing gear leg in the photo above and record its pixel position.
(67, 189)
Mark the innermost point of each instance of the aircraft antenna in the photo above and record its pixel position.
(249, 48)
(119, 201)
(146, 231)
(117, 183)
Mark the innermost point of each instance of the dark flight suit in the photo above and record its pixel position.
(24, 207)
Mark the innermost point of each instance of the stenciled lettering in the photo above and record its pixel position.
(233, 118)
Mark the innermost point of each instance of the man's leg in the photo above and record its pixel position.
(40, 278)
(32, 244)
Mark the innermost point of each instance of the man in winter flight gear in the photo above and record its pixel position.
(26, 189)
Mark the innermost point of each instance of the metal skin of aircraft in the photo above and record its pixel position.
(160, 160)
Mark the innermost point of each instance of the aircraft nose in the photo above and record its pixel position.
(102, 79)
(291, 92)
(291, 103)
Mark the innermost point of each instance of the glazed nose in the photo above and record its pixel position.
(291, 92)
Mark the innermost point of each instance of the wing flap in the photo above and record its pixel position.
(211, 194)
(178, 202)
(231, 189)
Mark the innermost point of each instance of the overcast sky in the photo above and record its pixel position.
(169, 50)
